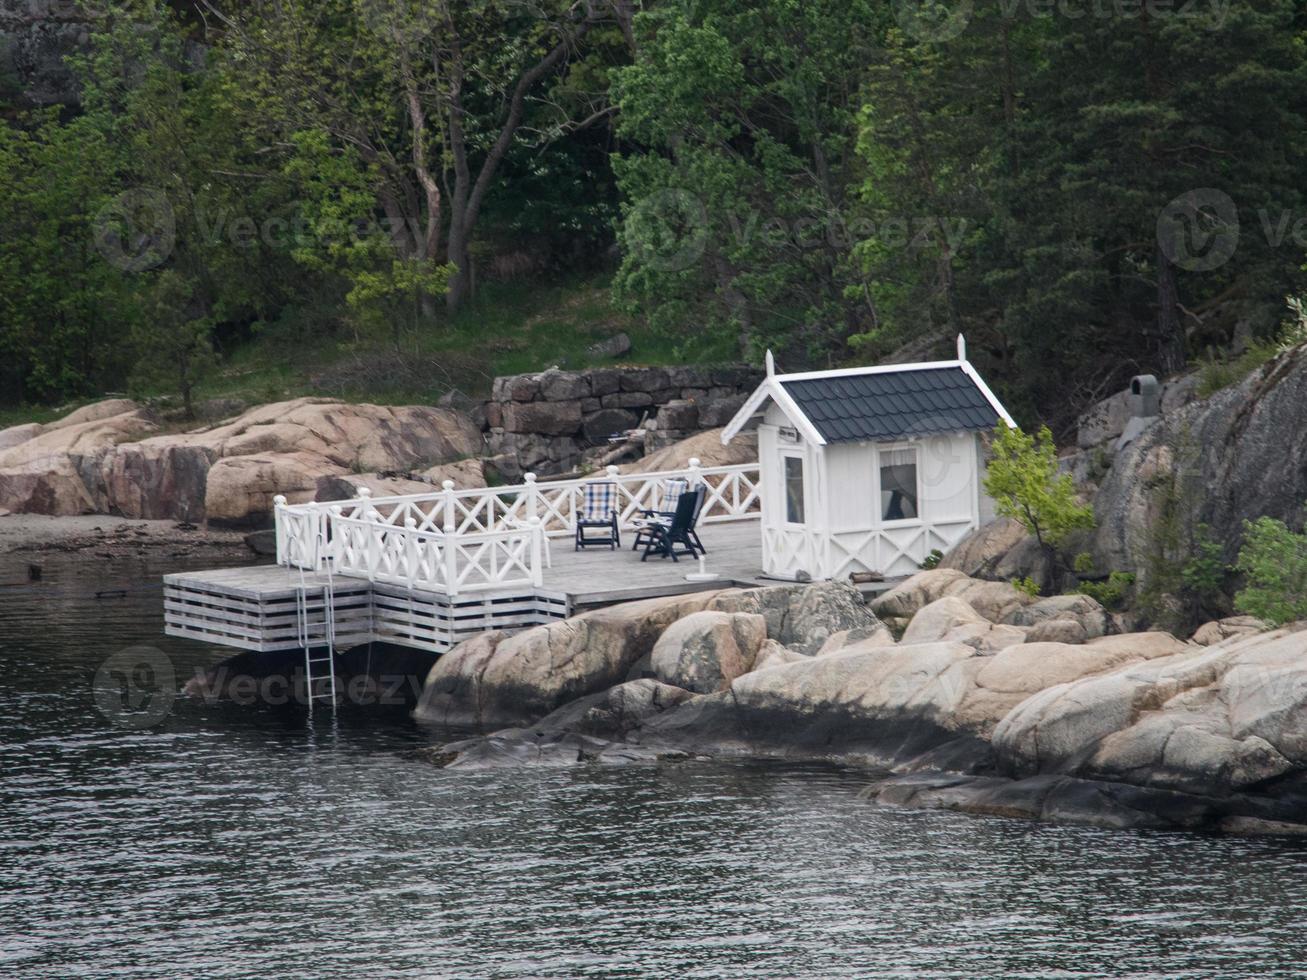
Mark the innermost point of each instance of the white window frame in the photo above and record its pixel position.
(920, 519)
(799, 453)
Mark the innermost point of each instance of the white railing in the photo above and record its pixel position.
(485, 538)
(433, 560)
(299, 536)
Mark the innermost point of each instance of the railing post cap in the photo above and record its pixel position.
(529, 478)
(336, 509)
(448, 484)
(279, 500)
(365, 492)
(695, 463)
(613, 470)
(410, 523)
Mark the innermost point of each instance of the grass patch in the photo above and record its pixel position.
(508, 328)
(1216, 375)
(23, 414)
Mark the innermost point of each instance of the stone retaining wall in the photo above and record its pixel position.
(36, 36)
(546, 422)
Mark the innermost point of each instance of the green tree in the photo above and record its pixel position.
(1274, 562)
(740, 120)
(220, 240)
(174, 338)
(1124, 119)
(935, 141)
(424, 101)
(396, 294)
(1024, 481)
(1009, 180)
(1203, 574)
(65, 313)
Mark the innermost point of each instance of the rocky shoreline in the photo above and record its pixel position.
(951, 691)
(106, 536)
(119, 457)
(970, 710)
(112, 458)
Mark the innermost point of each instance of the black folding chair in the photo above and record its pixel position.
(672, 491)
(692, 531)
(678, 537)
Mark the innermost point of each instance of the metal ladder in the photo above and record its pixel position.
(319, 685)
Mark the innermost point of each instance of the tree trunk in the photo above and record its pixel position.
(465, 208)
(624, 11)
(460, 281)
(1170, 331)
(187, 390)
(427, 306)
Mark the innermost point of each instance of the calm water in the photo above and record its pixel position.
(242, 843)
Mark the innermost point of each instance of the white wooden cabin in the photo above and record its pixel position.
(869, 469)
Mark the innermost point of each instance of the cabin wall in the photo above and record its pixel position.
(853, 497)
(988, 512)
(948, 477)
(859, 539)
(844, 530)
(790, 550)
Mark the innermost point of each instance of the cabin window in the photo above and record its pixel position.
(794, 489)
(898, 485)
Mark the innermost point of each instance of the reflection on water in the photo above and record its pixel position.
(236, 842)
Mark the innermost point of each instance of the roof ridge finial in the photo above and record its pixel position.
(771, 365)
(962, 348)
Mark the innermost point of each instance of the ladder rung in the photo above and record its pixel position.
(316, 633)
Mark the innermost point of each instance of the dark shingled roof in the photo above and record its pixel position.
(893, 405)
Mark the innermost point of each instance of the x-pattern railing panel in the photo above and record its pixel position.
(494, 559)
(731, 497)
(298, 546)
(491, 531)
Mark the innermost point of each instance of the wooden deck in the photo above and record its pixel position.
(592, 577)
(271, 607)
(601, 577)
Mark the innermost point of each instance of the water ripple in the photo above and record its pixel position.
(236, 843)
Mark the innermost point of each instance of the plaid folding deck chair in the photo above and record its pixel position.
(671, 493)
(598, 513)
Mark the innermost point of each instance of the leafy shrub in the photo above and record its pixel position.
(1217, 374)
(1274, 561)
(1024, 481)
(933, 559)
(1112, 592)
(1027, 585)
(1204, 572)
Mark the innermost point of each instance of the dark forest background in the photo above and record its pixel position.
(1087, 189)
